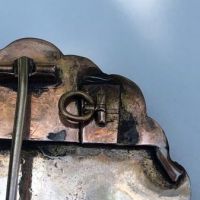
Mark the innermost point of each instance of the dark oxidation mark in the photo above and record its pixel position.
(59, 136)
(156, 173)
(26, 178)
(127, 129)
(52, 151)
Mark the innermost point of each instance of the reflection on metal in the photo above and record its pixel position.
(69, 99)
(22, 73)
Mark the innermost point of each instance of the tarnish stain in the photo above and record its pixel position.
(25, 184)
(90, 174)
(59, 136)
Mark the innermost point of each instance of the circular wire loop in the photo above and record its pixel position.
(66, 98)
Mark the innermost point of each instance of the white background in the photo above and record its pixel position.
(155, 43)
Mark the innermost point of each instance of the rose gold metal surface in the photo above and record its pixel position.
(43, 108)
(124, 116)
(92, 133)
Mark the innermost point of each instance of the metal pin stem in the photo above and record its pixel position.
(12, 183)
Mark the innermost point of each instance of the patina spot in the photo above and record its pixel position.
(59, 136)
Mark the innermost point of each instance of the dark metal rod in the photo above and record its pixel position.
(12, 183)
(6, 69)
(38, 69)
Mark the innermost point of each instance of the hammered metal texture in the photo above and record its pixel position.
(92, 174)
